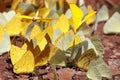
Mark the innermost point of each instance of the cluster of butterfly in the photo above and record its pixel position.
(53, 44)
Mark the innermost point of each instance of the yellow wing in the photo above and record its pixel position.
(24, 17)
(62, 23)
(14, 26)
(25, 64)
(85, 58)
(16, 53)
(77, 15)
(92, 15)
(22, 59)
(35, 18)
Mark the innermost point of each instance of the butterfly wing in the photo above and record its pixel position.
(77, 15)
(25, 64)
(5, 43)
(85, 58)
(25, 17)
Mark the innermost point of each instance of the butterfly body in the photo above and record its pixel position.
(35, 18)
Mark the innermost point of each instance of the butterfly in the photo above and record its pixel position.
(34, 22)
(26, 58)
(86, 58)
(35, 18)
(78, 17)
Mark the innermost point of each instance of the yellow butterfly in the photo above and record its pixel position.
(35, 18)
(22, 60)
(86, 58)
(92, 18)
(27, 32)
(30, 55)
(26, 58)
(78, 16)
(62, 23)
(14, 26)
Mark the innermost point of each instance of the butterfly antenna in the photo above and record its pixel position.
(36, 15)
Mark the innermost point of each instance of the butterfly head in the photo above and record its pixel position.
(35, 17)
